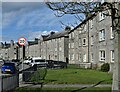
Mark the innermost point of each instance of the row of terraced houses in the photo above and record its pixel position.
(89, 44)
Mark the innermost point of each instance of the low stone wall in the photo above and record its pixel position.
(85, 65)
(9, 82)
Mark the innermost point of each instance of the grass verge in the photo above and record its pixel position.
(95, 89)
(76, 76)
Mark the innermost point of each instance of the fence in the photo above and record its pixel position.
(28, 73)
(34, 75)
(9, 82)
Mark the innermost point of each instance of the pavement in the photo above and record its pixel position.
(64, 85)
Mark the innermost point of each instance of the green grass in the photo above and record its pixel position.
(76, 76)
(95, 89)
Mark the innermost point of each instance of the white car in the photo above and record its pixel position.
(38, 61)
(27, 62)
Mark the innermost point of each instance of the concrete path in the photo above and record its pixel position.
(64, 85)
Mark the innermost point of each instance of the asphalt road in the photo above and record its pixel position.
(21, 67)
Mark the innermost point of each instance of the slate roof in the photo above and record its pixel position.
(33, 42)
(55, 35)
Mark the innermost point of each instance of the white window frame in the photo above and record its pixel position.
(112, 55)
(102, 35)
(70, 35)
(79, 42)
(73, 35)
(92, 59)
(92, 42)
(84, 43)
(60, 48)
(84, 58)
(79, 57)
(72, 57)
(55, 49)
(72, 45)
(69, 57)
(102, 55)
(101, 16)
(85, 28)
(111, 33)
(91, 23)
(69, 45)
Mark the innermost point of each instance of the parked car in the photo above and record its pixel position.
(9, 67)
(27, 61)
(39, 62)
(56, 64)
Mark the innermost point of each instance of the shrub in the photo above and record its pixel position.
(105, 67)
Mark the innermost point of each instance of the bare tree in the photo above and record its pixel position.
(87, 9)
(62, 8)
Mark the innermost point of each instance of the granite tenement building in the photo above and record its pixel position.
(89, 44)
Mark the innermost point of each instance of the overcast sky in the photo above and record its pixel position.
(30, 20)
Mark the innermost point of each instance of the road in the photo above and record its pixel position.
(21, 67)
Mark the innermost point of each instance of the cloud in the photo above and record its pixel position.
(29, 20)
(16, 6)
(38, 34)
(11, 10)
(37, 0)
(23, 0)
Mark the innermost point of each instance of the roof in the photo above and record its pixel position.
(6, 45)
(56, 35)
(33, 42)
(90, 17)
(83, 22)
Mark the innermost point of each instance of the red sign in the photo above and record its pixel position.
(22, 41)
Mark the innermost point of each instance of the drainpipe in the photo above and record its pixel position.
(88, 44)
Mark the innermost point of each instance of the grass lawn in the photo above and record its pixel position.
(95, 89)
(76, 76)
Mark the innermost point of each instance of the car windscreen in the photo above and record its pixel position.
(9, 64)
(39, 60)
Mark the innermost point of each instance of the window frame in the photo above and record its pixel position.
(92, 57)
(92, 41)
(112, 55)
(84, 43)
(91, 24)
(101, 16)
(102, 55)
(84, 58)
(72, 56)
(102, 35)
(80, 44)
(111, 33)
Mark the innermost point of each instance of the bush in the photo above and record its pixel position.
(105, 67)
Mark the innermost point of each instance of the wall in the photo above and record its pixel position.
(9, 82)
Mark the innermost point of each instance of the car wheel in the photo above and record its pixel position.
(2, 72)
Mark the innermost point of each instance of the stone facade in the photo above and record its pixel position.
(90, 43)
(9, 51)
(55, 46)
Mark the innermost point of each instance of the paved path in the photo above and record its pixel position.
(64, 85)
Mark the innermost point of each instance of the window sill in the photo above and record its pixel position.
(112, 62)
(111, 38)
(101, 20)
(101, 60)
(84, 45)
(102, 40)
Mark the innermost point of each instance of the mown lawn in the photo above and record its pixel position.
(95, 89)
(76, 76)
